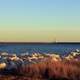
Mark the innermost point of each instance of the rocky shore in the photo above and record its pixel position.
(40, 66)
(13, 61)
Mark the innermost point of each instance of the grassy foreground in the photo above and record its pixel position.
(49, 70)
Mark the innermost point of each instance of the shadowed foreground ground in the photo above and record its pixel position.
(49, 70)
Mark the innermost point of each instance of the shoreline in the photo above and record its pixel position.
(39, 42)
(40, 66)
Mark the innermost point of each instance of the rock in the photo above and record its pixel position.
(73, 55)
(4, 54)
(2, 65)
(77, 50)
(13, 57)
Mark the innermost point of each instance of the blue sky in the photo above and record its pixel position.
(65, 7)
(52, 17)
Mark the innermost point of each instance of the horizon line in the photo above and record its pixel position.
(38, 42)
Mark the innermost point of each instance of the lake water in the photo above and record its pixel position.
(41, 48)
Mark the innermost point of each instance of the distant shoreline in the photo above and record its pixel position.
(39, 42)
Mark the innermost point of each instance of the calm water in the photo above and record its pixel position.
(41, 48)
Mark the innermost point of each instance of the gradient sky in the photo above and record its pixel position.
(39, 20)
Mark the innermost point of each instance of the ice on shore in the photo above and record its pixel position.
(73, 55)
(10, 61)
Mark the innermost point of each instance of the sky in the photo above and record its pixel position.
(39, 20)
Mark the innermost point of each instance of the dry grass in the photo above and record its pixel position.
(49, 70)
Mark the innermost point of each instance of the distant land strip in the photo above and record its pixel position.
(39, 42)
